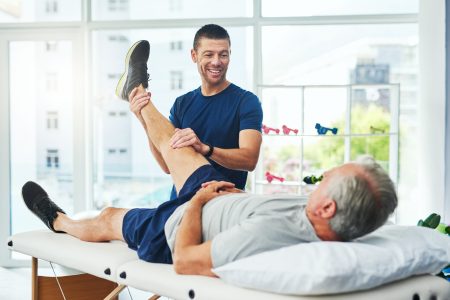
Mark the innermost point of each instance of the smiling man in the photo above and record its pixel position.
(219, 120)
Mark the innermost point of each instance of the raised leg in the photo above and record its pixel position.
(181, 162)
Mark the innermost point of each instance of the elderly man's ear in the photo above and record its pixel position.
(327, 210)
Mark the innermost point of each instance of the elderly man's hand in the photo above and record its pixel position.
(212, 190)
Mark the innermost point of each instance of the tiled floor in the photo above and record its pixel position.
(15, 284)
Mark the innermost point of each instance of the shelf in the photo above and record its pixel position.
(286, 183)
(334, 135)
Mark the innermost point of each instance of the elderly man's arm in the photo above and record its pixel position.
(191, 256)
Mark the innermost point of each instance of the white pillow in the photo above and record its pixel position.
(391, 253)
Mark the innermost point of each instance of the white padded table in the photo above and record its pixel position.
(126, 269)
(68, 251)
(162, 280)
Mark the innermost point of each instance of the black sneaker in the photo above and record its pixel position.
(135, 69)
(39, 203)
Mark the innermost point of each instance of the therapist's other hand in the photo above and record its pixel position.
(187, 137)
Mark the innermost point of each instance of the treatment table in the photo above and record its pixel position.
(107, 268)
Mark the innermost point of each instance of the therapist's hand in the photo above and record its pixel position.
(137, 102)
(187, 137)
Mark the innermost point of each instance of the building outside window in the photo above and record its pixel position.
(176, 45)
(52, 158)
(176, 80)
(51, 7)
(117, 5)
(118, 38)
(52, 120)
(51, 46)
(175, 5)
(51, 81)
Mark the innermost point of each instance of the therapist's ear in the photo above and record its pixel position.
(194, 55)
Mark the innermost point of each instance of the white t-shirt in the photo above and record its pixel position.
(243, 224)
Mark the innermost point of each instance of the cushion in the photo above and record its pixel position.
(391, 253)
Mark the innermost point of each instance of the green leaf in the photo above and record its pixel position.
(447, 229)
(420, 223)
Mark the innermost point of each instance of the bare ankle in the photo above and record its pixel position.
(59, 221)
(141, 88)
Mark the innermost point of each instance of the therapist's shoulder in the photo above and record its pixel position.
(243, 95)
(186, 99)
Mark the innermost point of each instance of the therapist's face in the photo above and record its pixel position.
(212, 58)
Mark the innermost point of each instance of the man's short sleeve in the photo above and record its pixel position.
(250, 113)
(251, 236)
(173, 117)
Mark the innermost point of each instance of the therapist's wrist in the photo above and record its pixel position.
(209, 149)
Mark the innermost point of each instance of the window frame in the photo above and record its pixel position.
(35, 34)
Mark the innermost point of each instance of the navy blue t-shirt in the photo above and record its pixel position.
(217, 120)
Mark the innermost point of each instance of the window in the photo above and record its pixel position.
(25, 11)
(176, 80)
(51, 7)
(302, 43)
(117, 5)
(51, 82)
(176, 45)
(118, 38)
(52, 120)
(115, 76)
(51, 46)
(122, 159)
(103, 10)
(120, 114)
(41, 130)
(52, 158)
(305, 8)
(175, 5)
(349, 54)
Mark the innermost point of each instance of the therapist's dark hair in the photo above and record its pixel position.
(364, 202)
(211, 31)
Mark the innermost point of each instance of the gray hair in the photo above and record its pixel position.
(364, 202)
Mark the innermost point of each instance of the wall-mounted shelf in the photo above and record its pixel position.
(352, 108)
(332, 135)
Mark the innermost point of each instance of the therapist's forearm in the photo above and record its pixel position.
(236, 159)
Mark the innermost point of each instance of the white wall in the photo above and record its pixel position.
(431, 108)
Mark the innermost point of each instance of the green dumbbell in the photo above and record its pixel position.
(312, 179)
